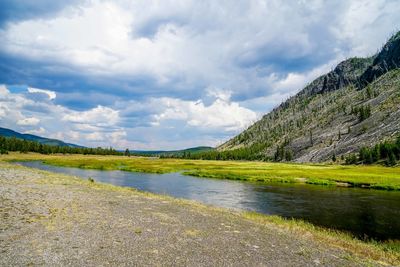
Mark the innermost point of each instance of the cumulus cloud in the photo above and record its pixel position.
(94, 136)
(98, 116)
(39, 131)
(222, 114)
(152, 76)
(28, 121)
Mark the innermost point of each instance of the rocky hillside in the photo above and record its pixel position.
(357, 104)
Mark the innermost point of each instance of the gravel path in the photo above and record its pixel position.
(53, 219)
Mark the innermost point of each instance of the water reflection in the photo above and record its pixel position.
(365, 213)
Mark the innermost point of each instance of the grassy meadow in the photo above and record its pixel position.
(373, 176)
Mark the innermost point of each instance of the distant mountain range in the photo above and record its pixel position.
(54, 142)
(30, 137)
(357, 104)
(172, 152)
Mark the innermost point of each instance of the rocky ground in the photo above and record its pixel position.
(53, 219)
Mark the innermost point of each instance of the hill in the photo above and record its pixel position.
(355, 105)
(30, 137)
(172, 153)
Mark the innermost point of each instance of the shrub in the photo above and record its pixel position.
(391, 161)
(351, 159)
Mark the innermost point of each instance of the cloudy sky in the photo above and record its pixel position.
(148, 74)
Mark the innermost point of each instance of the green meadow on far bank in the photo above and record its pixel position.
(375, 176)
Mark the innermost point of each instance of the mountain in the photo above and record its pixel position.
(173, 152)
(30, 137)
(388, 59)
(355, 105)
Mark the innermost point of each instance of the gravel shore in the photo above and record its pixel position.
(58, 220)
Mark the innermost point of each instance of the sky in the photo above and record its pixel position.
(170, 74)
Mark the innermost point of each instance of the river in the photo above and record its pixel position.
(365, 213)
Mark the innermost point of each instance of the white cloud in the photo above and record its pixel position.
(365, 25)
(67, 135)
(3, 91)
(32, 121)
(117, 135)
(51, 94)
(86, 127)
(3, 96)
(294, 81)
(205, 43)
(74, 135)
(39, 131)
(98, 116)
(95, 136)
(224, 95)
(119, 139)
(221, 114)
(19, 112)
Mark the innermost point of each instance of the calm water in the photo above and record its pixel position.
(363, 212)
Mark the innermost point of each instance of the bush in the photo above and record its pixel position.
(363, 112)
(351, 159)
(391, 161)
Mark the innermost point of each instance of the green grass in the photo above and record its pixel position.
(377, 177)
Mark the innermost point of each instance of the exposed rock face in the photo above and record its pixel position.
(346, 73)
(388, 59)
(322, 120)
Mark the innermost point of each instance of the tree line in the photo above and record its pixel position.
(386, 152)
(15, 144)
(253, 152)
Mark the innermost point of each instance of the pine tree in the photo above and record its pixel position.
(391, 161)
(288, 155)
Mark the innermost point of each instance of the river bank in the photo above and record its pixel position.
(375, 177)
(55, 219)
(366, 214)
